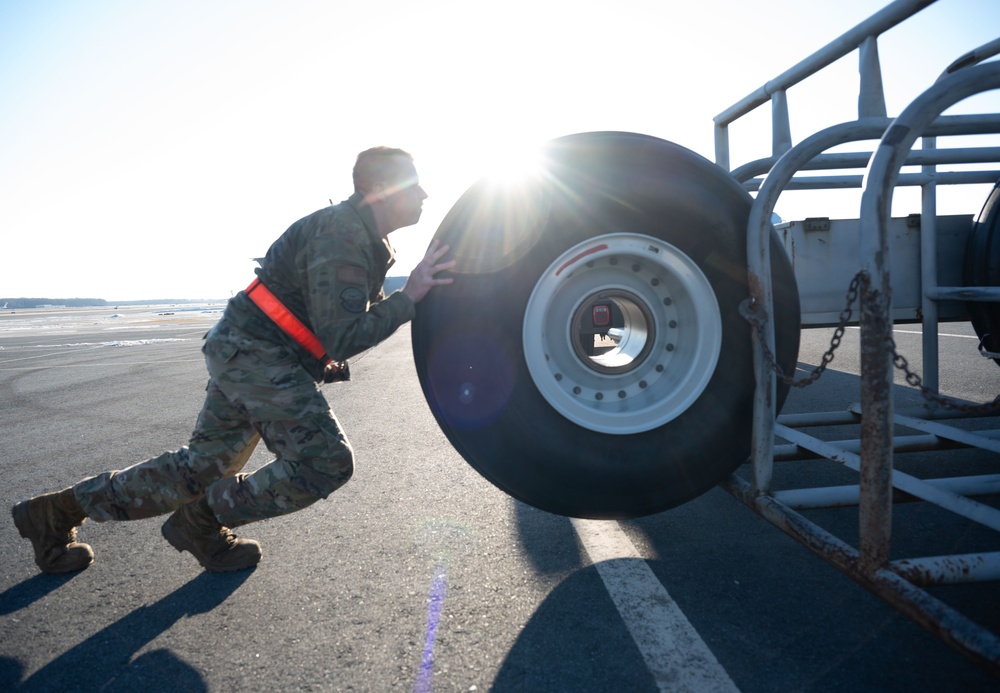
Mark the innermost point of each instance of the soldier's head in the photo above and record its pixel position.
(388, 180)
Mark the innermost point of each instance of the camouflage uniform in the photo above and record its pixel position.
(328, 269)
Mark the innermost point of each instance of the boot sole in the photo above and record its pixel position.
(181, 543)
(25, 527)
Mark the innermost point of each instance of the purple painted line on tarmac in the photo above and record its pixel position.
(435, 600)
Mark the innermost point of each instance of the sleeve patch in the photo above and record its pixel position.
(353, 300)
(352, 274)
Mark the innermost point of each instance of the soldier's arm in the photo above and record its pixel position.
(344, 320)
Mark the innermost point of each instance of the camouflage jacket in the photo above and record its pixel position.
(328, 269)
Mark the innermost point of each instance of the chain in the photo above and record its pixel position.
(914, 380)
(757, 322)
(755, 318)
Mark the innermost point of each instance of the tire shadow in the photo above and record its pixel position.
(104, 660)
(549, 540)
(575, 642)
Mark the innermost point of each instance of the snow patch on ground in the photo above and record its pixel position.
(116, 343)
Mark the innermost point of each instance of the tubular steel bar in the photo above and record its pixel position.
(949, 570)
(943, 498)
(876, 307)
(875, 462)
(847, 43)
(920, 443)
(860, 159)
(945, 125)
(949, 625)
(843, 496)
(761, 290)
(898, 582)
(929, 270)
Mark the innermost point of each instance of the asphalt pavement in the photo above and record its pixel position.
(419, 575)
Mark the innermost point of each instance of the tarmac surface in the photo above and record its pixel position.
(419, 575)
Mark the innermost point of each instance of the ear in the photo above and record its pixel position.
(375, 193)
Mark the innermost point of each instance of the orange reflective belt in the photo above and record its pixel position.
(283, 318)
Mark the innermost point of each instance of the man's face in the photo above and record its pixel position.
(403, 197)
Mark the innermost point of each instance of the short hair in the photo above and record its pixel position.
(377, 165)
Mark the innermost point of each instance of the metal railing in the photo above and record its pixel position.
(901, 581)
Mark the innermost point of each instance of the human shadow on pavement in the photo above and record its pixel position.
(31, 590)
(104, 660)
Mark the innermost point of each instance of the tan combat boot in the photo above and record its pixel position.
(194, 528)
(49, 521)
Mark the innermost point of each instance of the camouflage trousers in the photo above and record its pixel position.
(256, 391)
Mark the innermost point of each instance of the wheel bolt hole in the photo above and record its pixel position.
(670, 347)
(577, 390)
(667, 301)
(558, 376)
(659, 368)
(599, 395)
(673, 323)
(621, 394)
(643, 385)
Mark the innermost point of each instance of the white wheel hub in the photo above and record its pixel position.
(622, 333)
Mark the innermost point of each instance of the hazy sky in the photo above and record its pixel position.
(150, 149)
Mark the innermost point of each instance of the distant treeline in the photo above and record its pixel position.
(391, 284)
(35, 302)
(14, 303)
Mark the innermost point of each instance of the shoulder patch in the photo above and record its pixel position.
(352, 274)
(353, 300)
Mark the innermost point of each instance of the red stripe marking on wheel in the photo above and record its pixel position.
(585, 253)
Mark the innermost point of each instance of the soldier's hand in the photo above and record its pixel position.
(422, 279)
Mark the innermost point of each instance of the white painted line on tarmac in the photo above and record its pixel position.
(940, 334)
(675, 654)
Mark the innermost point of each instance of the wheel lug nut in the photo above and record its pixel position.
(621, 394)
(599, 395)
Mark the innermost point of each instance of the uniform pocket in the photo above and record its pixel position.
(219, 350)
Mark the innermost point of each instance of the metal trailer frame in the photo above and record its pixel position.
(900, 582)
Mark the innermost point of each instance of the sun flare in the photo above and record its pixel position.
(515, 165)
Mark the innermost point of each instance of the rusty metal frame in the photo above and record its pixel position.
(900, 582)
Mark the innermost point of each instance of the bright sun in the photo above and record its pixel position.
(514, 164)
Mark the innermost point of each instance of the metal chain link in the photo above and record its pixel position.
(756, 321)
(943, 401)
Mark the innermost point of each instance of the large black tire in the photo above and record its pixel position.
(982, 268)
(659, 232)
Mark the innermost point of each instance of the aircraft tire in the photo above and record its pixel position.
(660, 416)
(982, 268)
